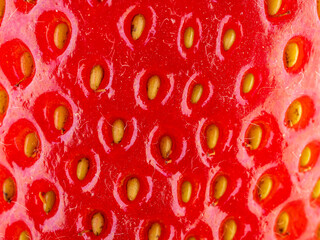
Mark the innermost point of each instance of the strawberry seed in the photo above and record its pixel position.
(188, 37)
(60, 35)
(264, 187)
(291, 54)
(196, 93)
(186, 191)
(165, 146)
(228, 39)
(48, 199)
(153, 86)
(282, 224)
(133, 187)
(137, 26)
(154, 232)
(273, 6)
(24, 236)
(117, 131)
(248, 83)
(229, 229)
(82, 168)
(60, 117)
(97, 223)
(8, 189)
(220, 187)
(31, 144)
(4, 99)
(96, 77)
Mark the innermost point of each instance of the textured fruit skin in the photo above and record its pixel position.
(100, 34)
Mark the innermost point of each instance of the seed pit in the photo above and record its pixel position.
(153, 86)
(154, 232)
(133, 188)
(229, 229)
(229, 38)
(188, 37)
(8, 189)
(137, 26)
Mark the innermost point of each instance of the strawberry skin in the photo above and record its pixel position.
(94, 149)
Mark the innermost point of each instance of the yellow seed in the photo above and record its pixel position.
(186, 190)
(316, 190)
(154, 232)
(165, 146)
(318, 10)
(48, 199)
(31, 144)
(196, 93)
(96, 77)
(264, 187)
(60, 35)
(24, 236)
(117, 131)
(220, 187)
(305, 157)
(248, 83)
(254, 137)
(212, 134)
(26, 63)
(273, 6)
(294, 113)
(153, 86)
(8, 189)
(291, 54)
(228, 39)
(82, 168)
(133, 187)
(282, 223)
(318, 232)
(97, 223)
(229, 229)
(60, 117)
(188, 37)
(2, 7)
(137, 26)
(192, 238)
(4, 99)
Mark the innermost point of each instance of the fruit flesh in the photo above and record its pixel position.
(223, 107)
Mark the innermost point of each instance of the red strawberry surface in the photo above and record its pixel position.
(268, 140)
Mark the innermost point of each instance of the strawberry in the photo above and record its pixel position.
(159, 119)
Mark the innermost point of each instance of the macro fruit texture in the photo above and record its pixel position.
(160, 119)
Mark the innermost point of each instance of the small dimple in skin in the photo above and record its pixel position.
(97, 223)
(137, 26)
(60, 35)
(8, 189)
(282, 224)
(229, 229)
(31, 144)
(154, 232)
(133, 188)
(4, 99)
(188, 37)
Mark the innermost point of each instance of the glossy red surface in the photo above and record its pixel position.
(99, 33)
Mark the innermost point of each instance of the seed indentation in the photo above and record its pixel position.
(137, 26)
